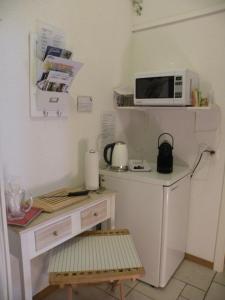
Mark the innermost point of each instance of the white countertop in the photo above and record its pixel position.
(152, 177)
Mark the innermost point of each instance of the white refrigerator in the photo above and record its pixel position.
(154, 207)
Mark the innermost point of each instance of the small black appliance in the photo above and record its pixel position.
(165, 156)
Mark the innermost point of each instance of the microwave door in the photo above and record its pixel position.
(155, 90)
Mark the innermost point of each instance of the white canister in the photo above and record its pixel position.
(91, 169)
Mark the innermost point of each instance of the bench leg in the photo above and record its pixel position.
(69, 292)
(122, 296)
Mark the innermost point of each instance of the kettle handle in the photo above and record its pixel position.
(107, 147)
(166, 133)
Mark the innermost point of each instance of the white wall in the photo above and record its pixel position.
(154, 11)
(199, 45)
(47, 154)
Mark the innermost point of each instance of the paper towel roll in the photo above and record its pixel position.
(91, 170)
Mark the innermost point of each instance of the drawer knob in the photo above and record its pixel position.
(95, 214)
(55, 233)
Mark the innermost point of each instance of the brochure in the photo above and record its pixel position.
(58, 73)
(58, 52)
(55, 81)
(28, 217)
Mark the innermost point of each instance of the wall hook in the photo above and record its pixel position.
(59, 113)
(45, 113)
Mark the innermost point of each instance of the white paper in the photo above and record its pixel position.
(59, 77)
(61, 64)
(91, 170)
(108, 128)
(48, 36)
(84, 104)
(61, 70)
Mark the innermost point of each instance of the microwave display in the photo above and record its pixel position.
(155, 87)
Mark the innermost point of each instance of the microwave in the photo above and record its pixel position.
(173, 88)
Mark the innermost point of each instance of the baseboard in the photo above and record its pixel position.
(199, 260)
(46, 292)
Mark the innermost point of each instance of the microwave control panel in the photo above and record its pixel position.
(178, 85)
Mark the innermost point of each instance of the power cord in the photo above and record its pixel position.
(211, 152)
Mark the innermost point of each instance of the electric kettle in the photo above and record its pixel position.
(116, 156)
(165, 156)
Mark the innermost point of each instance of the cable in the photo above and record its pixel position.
(212, 152)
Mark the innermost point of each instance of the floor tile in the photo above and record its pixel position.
(192, 293)
(216, 292)
(220, 278)
(57, 295)
(195, 275)
(83, 293)
(116, 292)
(135, 295)
(131, 283)
(88, 293)
(170, 292)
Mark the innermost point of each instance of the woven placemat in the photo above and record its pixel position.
(56, 200)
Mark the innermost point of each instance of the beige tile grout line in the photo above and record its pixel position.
(99, 289)
(133, 288)
(210, 285)
(181, 291)
(219, 283)
(187, 283)
(106, 292)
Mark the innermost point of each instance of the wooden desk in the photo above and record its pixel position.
(50, 230)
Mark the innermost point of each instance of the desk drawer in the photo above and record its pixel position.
(52, 233)
(94, 214)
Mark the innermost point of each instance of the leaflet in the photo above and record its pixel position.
(59, 52)
(56, 81)
(61, 64)
(48, 35)
(58, 74)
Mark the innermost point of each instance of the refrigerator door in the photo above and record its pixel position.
(175, 219)
(139, 208)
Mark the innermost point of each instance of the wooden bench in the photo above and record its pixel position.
(95, 257)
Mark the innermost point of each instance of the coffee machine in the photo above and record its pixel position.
(165, 156)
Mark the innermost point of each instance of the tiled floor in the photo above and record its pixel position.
(190, 282)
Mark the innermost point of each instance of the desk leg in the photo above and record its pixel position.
(25, 271)
(110, 223)
(19, 248)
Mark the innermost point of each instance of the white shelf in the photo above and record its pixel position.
(199, 108)
(147, 108)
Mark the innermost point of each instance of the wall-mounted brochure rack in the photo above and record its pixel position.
(45, 103)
